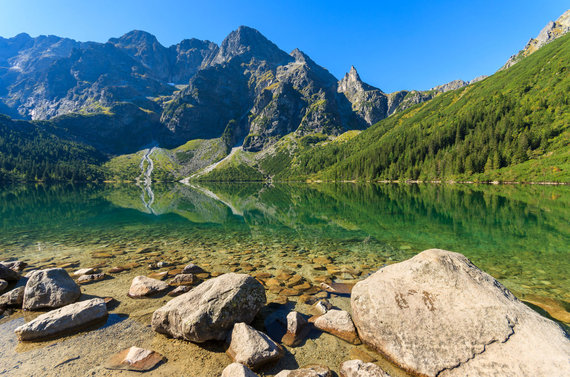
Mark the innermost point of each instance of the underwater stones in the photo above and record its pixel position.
(307, 371)
(142, 286)
(158, 275)
(8, 274)
(90, 278)
(358, 353)
(179, 290)
(358, 368)
(323, 306)
(338, 323)
(438, 314)
(251, 347)
(210, 310)
(50, 288)
(237, 370)
(182, 279)
(64, 319)
(135, 359)
(116, 270)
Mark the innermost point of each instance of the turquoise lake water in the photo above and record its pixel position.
(519, 234)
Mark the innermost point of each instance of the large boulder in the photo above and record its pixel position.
(439, 315)
(63, 320)
(358, 368)
(210, 310)
(251, 347)
(51, 288)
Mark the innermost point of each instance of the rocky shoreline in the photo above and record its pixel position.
(435, 314)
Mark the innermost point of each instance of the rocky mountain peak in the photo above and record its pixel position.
(248, 42)
(135, 37)
(352, 82)
(552, 31)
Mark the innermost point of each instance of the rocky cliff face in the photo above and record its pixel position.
(552, 31)
(246, 89)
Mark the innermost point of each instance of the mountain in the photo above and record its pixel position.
(552, 31)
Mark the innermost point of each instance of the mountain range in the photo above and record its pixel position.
(196, 100)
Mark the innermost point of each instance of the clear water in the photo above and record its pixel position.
(519, 234)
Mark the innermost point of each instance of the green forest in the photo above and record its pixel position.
(517, 117)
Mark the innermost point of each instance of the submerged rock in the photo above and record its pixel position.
(84, 271)
(338, 323)
(192, 269)
(237, 370)
(182, 279)
(307, 371)
(51, 288)
(64, 319)
(358, 368)
(210, 310)
(84, 279)
(136, 359)
(251, 347)
(8, 274)
(439, 315)
(144, 286)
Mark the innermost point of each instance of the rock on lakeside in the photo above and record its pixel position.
(209, 311)
(237, 370)
(50, 288)
(67, 318)
(136, 359)
(251, 347)
(437, 314)
(358, 368)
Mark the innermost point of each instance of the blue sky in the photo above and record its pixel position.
(393, 44)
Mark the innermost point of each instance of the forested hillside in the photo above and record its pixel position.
(515, 125)
(32, 151)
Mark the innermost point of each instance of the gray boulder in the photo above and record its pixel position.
(338, 323)
(50, 288)
(13, 298)
(210, 310)
(358, 368)
(142, 286)
(237, 370)
(251, 347)
(439, 315)
(62, 320)
(8, 274)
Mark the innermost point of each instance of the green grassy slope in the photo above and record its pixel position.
(515, 125)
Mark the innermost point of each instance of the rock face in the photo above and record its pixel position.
(358, 368)
(338, 323)
(439, 315)
(62, 320)
(51, 288)
(251, 347)
(135, 358)
(144, 286)
(307, 371)
(552, 31)
(210, 310)
(237, 370)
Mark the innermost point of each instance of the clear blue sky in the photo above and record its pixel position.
(393, 44)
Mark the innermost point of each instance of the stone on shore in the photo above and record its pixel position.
(437, 314)
(182, 279)
(50, 288)
(144, 286)
(358, 368)
(297, 329)
(307, 371)
(13, 298)
(179, 290)
(251, 347)
(210, 310)
(237, 370)
(7, 274)
(17, 265)
(338, 323)
(135, 359)
(64, 319)
(192, 269)
(3, 285)
(84, 271)
(90, 278)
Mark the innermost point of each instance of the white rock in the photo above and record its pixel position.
(50, 288)
(358, 368)
(144, 286)
(251, 347)
(338, 323)
(237, 370)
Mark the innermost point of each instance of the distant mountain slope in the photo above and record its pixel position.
(517, 115)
